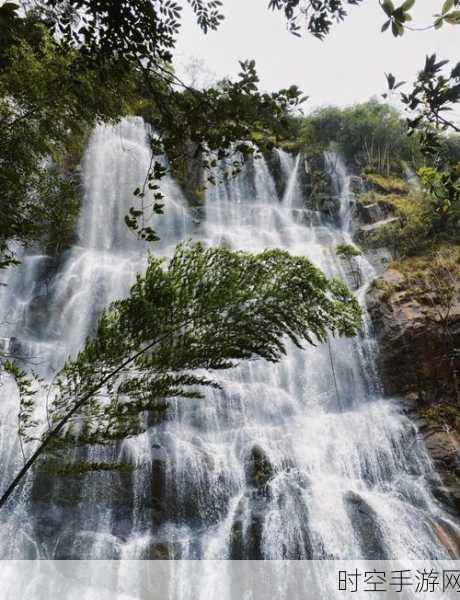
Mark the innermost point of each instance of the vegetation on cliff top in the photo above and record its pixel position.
(371, 136)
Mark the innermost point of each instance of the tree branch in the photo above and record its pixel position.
(62, 423)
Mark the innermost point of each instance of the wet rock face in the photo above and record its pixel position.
(271, 520)
(318, 187)
(412, 346)
(248, 524)
(370, 213)
(443, 448)
(72, 546)
(365, 523)
(162, 551)
(276, 171)
(251, 526)
(38, 314)
(158, 483)
(259, 469)
(357, 184)
(414, 364)
(247, 529)
(280, 179)
(62, 508)
(189, 175)
(448, 536)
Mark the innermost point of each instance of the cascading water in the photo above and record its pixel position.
(301, 460)
(290, 168)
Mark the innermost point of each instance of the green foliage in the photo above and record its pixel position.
(433, 93)
(433, 280)
(424, 219)
(205, 309)
(444, 413)
(48, 103)
(448, 15)
(417, 269)
(318, 15)
(449, 149)
(347, 251)
(27, 385)
(321, 128)
(396, 16)
(103, 49)
(410, 233)
(444, 189)
(386, 290)
(233, 120)
(371, 135)
(387, 185)
(135, 29)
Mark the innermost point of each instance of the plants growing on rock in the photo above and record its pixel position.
(349, 253)
(434, 282)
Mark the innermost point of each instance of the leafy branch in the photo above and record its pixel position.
(400, 16)
(209, 309)
(318, 15)
(433, 93)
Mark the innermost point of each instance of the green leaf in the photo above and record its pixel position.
(386, 25)
(391, 80)
(407, 5)
(9, 8)
(388, 7)
(453, 17)
(397, 28)
(438, 23)
(448, 4)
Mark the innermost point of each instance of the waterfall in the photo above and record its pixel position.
(290, 168)
(300, 460)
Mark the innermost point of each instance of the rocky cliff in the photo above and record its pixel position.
(418, 359)
(414, 307)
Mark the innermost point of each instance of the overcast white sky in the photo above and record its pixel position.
(346, 67)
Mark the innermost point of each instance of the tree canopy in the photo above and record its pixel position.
(48, 103)
(370, 135)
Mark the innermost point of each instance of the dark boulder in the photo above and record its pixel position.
(246, 537)
(365, 524)
(259, 469)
